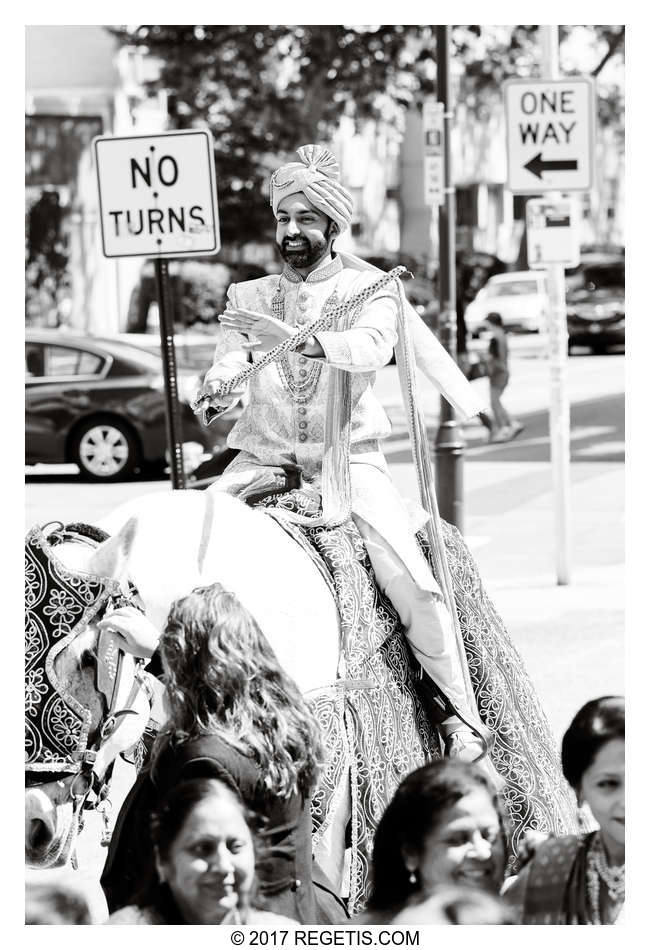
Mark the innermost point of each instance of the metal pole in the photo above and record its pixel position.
(172, 415)
(450, 444)
(559, 408)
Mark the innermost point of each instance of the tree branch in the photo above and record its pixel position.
(610, 52)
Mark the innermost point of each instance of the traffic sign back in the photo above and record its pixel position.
(550, 127)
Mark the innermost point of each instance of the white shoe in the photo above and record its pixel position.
(464, 745)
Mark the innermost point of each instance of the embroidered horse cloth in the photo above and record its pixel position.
(373, 719)
(58, 604)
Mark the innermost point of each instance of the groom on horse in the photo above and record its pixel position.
(313, 407)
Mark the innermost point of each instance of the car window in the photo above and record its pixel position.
(517, 288)
(596, 278)
(34, 360)
(65, 361)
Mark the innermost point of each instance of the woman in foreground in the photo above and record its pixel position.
(580, 879)
(443, 827)
(205, 862)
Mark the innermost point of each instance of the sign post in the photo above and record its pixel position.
(550, 127)
(450, 444)
(158, 198)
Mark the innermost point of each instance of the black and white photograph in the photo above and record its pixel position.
(325, 482)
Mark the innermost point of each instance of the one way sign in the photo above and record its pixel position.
(550, 134)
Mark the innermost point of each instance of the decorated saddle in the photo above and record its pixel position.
(375, 718)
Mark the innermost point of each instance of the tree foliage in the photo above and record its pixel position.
(264, 89)
(46, 253)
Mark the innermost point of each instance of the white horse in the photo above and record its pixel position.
(166, 545)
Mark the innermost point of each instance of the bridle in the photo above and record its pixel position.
(91, 783)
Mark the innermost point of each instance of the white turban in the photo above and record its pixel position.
(316, 175)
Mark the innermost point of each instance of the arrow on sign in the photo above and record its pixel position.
(538, 166)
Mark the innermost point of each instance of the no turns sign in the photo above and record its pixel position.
(158, 194)
(550, 127)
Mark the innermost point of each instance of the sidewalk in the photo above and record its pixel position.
(571, 637)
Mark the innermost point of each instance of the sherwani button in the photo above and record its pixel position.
(302, 437)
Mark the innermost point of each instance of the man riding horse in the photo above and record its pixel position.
(295, 414)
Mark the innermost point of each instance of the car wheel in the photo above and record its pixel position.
(105, 450)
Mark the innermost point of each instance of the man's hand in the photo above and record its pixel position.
(211, 386)
(138, 635)
(264, 332)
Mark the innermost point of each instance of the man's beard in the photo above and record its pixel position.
(307, 254)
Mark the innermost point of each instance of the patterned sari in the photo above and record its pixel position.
(552, 888)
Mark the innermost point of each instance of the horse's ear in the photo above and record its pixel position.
(111, 558)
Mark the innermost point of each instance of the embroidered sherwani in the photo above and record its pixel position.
(284, 419)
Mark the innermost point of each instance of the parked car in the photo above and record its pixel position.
(100, 403)
(596, 304)
(520, 298)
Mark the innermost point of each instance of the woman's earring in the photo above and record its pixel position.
(413, 878)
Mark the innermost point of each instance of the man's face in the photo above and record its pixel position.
(303, 233)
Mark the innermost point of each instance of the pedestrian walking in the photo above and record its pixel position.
(503, 429)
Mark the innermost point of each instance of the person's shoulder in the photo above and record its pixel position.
(248, 292)
(357, 279)
(270, 921)
(212, 756)
(269, 280)
(134, 915)
(558, 847)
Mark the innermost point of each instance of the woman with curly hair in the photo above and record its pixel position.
(235, 715)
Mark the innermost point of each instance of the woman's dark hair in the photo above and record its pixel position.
(173, 810)
(409, 819)
(597, 723)
(223, 679)
(495, 319)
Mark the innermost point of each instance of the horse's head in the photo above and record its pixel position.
(85, 700)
